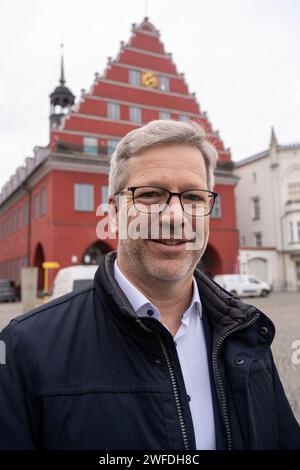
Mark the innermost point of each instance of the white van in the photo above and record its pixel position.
(72, 278)
(243, 285)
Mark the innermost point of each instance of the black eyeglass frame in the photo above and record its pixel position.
(134, 188)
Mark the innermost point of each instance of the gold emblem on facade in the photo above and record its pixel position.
(149, 80)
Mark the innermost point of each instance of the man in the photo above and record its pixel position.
(154, 355)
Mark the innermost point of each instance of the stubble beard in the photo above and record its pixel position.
(146, 266)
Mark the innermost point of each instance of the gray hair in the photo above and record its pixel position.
(156, 133)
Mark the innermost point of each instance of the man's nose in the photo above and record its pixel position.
(174, 210)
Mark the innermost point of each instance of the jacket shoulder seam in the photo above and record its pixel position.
(42, 308)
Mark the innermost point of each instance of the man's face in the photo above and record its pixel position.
(176, 168)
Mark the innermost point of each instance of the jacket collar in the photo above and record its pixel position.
(225, 311)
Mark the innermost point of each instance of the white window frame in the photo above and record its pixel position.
(294, 191)
(104, 194)
(216, 213)
(26, 213)
(135, 114)
(90, 145)
(256, 208)
(83, 197)
(19, 217)
(164, 83)
(291, 231)
(134, 77)
(111, 145)
(164, 115)
(36, 206)
(113, 111)
(43, 202)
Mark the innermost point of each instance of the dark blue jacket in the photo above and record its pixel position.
(82, 372)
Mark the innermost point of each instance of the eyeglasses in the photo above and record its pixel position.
(154, 200)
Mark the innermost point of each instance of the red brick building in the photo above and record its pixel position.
(48, 207)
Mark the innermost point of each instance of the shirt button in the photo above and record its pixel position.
(150, 312)
(188, 397)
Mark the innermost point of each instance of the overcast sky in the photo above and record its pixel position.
(241, 57)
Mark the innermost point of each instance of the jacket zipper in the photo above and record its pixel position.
(174, 386)
(224, 409)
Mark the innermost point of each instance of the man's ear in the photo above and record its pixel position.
(113, 215)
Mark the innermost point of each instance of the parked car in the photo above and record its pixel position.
(243, 285)
(72, 278)
(8, 291)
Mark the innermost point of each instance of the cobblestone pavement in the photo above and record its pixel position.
(282, 308)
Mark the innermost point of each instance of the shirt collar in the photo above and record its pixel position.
(142, 305)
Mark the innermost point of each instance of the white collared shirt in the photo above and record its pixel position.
(191, 348)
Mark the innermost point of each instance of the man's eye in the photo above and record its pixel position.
(194, 198)
(149, 194)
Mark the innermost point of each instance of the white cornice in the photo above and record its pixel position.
(146, 69)
(80, 163)
(115, 137)
(221, 178)
(166, 55)
(145, 106)
(150, 90)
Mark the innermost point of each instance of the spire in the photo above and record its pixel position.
(61, 99)
(273, 141)
(62, 80)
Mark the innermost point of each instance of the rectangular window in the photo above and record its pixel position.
(84, 197)
(256, 208)
(298, 270)
(35, 206)
(291, 227)
(25, 261)
(8, 225)
(18, 270)
(104, 194)
(216, 212)
(43, 201)
(134, 77)
(90, 145)
(183, 118)
(19, 217)
(135, 114)
(164, 83)
(113, 111)
(164, 115)
(26, 213)
(294, 191)
(111, 146)
(13, 222)
(258, 239)
(254, 177)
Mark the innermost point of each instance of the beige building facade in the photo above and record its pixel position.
(268, 214)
